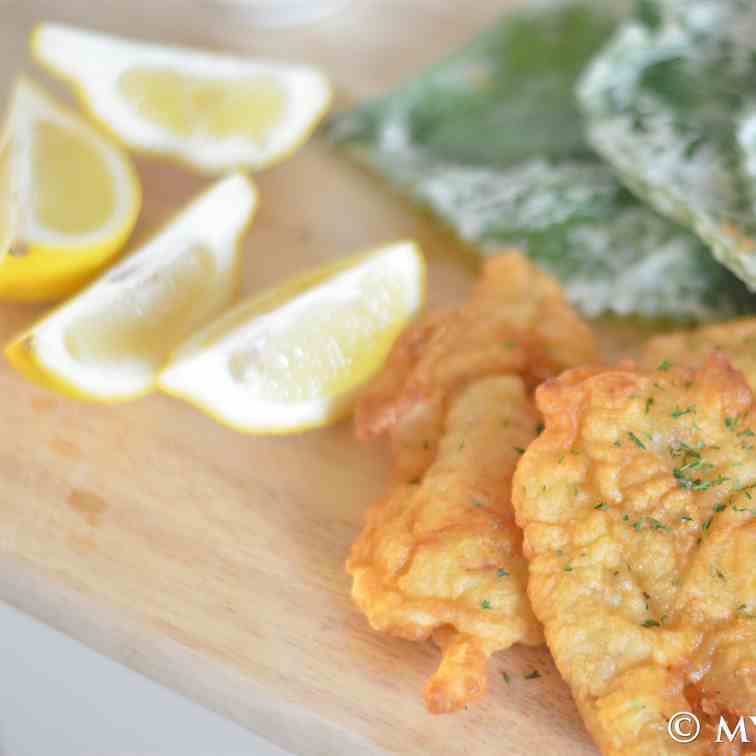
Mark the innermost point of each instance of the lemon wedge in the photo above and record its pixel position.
(68, 198)
(211, 111)
(294, 357)
(109, 342)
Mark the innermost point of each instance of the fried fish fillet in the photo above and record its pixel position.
(440, 554)
(516, 322)
(737, 339)
(443, 556)
(640, 530)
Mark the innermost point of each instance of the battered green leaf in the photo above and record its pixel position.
(670, 105)
(491, 140)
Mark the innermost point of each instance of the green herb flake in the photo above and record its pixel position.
(677, 412)
(658, 525)
(501, 572)
(650, 623)
(568, 568)
(534, 675)
(636, 440)
(696, 484)
(602, 505)
(649, 403)
(486, 604)
(731, 423)
(507, 679)
(519, 450)
(664, 365)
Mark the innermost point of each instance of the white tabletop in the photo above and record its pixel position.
(59, 697)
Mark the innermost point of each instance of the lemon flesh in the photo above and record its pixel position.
(294, 358)
(212, 112)
(68, 199)
(109, 343)
(73, 190)
(149, 312)
(188, 106)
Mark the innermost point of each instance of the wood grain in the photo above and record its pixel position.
(211, 561)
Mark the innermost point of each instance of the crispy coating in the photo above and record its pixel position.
(442, 558)
(737, 339)
(516, 321)
(440, 555)
(640, 530)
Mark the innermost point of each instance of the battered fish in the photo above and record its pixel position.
(440, 555)
(640, 530)
(737, 339)
(443, 556)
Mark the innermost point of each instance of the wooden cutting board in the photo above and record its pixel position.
(211, 561)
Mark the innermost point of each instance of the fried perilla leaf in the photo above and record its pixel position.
(491, 140)
(670, 104)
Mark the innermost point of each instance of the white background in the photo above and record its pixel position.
(59, 698)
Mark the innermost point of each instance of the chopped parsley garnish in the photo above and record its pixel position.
(478, 503)
(720, 507)
(664, 365)
(636, 440)
(707, 523)
(539, 428)
(534, 675)
(519, 449)
(686, 518)
(677, 412)
(696, 484)
(485, 604)
(602, 505)
(657, 525)
(505, 676)
(649, 403)
(501, 572)
(568, 568)
(650, 623)
(732, 422)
